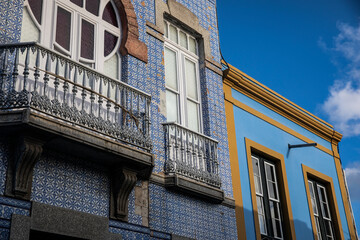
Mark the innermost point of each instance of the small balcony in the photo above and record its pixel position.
(49, 101)
(191, 162)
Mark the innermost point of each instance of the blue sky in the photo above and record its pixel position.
(308, 51)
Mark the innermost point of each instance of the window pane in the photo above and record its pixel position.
(111, 67)
(109, 14)
(271, 180)
(80, 3)
(171, 107)
(190, 75)
(323, 202)
(277, 229)
(110, 43)
(318, 228)
(257, 179)
(192, 45)
(313, 200)
(261, 215)
(63, 28)
(183, 39)
(259, 202)
(272, 190)
(170, 69)
(328, 227)
(275, 218)
(193, 115)
(173, 34)
(36, 8)
(87, 40)
(311, 188)
(93, 6)
(258, 188)
(262, 224)
(270, 172)
(313, 203)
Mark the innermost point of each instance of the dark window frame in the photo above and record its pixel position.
(321, 218)
(328, 183)
(266, 199)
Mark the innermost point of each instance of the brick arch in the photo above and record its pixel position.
(130, 43)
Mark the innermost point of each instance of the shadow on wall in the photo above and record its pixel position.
(302, 230)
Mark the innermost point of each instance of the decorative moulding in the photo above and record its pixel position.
(130, 43)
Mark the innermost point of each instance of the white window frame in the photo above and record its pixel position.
(181, 55)
(49, 18)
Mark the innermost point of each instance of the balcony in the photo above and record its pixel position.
(37, 78)
(191, 162)
(47, 100)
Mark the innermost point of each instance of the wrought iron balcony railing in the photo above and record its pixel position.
(34, 77)
(191, 154)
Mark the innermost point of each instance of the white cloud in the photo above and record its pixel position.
(343, 104)
(343, 108)
(353, 178)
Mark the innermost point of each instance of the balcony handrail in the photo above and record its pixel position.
(191, 154)
(91, 91)
(35, 77)
(190, 130)
(78, 64)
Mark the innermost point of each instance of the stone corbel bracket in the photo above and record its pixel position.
(26, 152)
(123, 182)
(130, 43)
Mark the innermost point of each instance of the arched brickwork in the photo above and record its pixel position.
(130, 43)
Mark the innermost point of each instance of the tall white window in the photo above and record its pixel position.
(182, 78)
(267, 198)
(87, 31)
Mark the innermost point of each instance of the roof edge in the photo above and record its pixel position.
(281, 105)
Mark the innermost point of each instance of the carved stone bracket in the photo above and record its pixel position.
(123, 182)
(19, 180)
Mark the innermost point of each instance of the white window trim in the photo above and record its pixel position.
(48, 25)
(181, 54)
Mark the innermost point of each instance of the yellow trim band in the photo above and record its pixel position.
(235, 170)
(273, 122)
(274, 101)
(344, 192)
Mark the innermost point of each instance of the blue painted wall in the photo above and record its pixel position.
(256, 129)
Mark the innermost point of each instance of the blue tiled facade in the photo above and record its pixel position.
(71, 182)
(10, 20)
(182, 215)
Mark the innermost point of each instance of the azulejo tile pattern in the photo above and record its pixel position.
(217, 126)
(131, 231)
(132, 217)
(4, 154)
(183, 215)
(8, 207)
(69, 182)
(4, 233)
(150, 78)
(10, 21)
